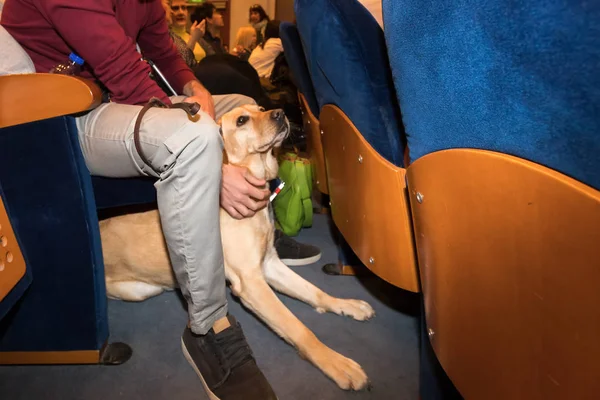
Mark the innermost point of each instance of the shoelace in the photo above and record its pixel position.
(234, 346)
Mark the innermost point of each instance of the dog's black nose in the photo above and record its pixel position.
(277, 115)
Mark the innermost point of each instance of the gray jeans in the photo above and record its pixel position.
(186, 158)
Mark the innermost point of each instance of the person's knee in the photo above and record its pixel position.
(209, 143)
(212, 138)
(198, 144)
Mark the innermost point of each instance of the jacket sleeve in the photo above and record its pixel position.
(90, 28)
(157, 45)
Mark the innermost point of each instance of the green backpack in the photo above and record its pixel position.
(293, 205)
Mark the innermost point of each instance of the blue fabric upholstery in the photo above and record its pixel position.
(294, 54)
(515, 77)
(347, 60)
(115, 192)
(49, 193)
(15, 294)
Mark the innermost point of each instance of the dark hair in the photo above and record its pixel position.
(261, 12)
(203, 11)
(271, 31)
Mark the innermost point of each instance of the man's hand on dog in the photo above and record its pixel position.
(205, 101)
(242, 194)
(198, 94)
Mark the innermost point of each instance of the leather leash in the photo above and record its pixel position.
(191, 110)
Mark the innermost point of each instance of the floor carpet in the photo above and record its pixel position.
(386, 347)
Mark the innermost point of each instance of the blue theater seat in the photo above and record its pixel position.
(49, 193)
(500, 103)
(499, 76)
(56, 313)
(348, 62)
(362, 134)
(294, 54)
(52, 208)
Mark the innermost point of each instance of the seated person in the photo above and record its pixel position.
(214, 22)
(225, 73)
(220, 74)
(258, 18)
(177, 17)
(264, 55)
(245, 42)
(192, 183)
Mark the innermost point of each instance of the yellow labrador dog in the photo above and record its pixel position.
(134, 250)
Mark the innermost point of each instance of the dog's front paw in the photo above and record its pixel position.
(344, 371)
(357, 309)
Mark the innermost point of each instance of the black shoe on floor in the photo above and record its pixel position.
(225, 364)
(293, 253)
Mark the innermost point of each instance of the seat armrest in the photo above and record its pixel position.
(33, 97)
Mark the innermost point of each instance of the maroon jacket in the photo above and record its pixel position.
(104, 33)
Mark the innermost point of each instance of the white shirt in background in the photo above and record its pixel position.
(263, 60)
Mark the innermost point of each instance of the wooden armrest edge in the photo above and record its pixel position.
(33, 97)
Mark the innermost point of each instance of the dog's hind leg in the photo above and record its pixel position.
(256, 294)
(131, 290)
(286, 281)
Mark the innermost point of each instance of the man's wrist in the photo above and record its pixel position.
(194, 88)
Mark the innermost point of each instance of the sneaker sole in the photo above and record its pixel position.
(296, 262)
(187, 356)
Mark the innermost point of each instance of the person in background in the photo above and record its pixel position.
(245, 42)
(258, 18)
(264, 55)
(214, 22)
(177, 17)
(220, 73)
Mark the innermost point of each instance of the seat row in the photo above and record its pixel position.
(459, 147)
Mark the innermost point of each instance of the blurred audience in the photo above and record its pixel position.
(245, 42)
(214, 22)
(258, 18)
(177, 18)
(264, 55)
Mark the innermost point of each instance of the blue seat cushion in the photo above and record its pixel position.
(347, 60)
(47, 189)
(515, 77)
(294, 54)
(117, 192)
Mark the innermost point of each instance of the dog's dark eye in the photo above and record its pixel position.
(262, 109)
(242, 120)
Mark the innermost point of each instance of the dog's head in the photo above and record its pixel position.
(250, 135)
